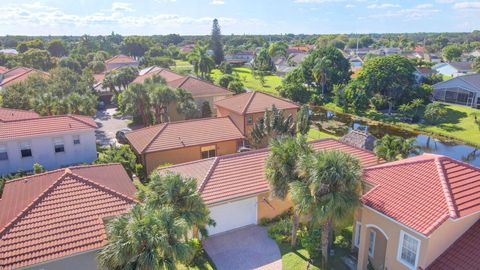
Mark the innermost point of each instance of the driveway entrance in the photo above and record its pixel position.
(245, 248)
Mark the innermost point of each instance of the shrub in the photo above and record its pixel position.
(310, 239)
(226, 67)
(280, 231)
(225, 79)
(236, 86)
(206, 110)
(379, 102)
(344, 239)
(435, 113)
(197, 249)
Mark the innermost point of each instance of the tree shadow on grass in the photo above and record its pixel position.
(453, 116)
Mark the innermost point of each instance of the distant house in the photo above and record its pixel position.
(56, 220)
(299, 48)
(187, 48)
(9, 51)
(19, 74)
(454, 69)
(245, 109)
(463, 90)
(240, 57)
(419, 213)
(433, 58)
(120, 61)
(52, 141)
(201, 90)
(3, 70)
(184, 141)
(235, 189)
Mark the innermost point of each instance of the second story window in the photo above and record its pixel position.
(76, 139)
(59, 145)
(3, 153)
(408, 250)
(208, 151)
(25, 149)
(249, 120)
(371, 245)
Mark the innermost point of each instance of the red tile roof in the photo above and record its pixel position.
(254, 102)
(3, 69)
(7, 114)
(20, 74)
(168, 75)
(60, 213)
(120, 58)
(182, 134)
(422, 192)
(463, 254)
(45, 125)
(240, 175)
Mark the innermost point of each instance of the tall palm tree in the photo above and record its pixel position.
(145, 238)
(181, 194)
(321, 70)
(136, 101)
(202, 62)
(280, 171)
(160, 97)
(186, 104)
(392, 147)
(331, 190)
(272, 125)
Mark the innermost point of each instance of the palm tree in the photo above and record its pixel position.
(136, 101)
(280, 170)
(202, 63)
(145, 238)
(272, 125)
(186, 104)
(392, 147)
(181, 194)
(321, 70)
(331, 190)
(160, 97)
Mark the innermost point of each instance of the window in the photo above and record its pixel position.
(76, 139)
(25, 149)
(3, 153)
(59, 146)
(208, 151)
(358, 229)
(408, 249)
(371, 245)
(250, 120)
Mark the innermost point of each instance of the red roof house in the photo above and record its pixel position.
(7, 114)
(19, 74)
(50, 218)
(120, 61)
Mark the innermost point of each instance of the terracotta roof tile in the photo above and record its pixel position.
(45, 125)
(199, 88)
(20, 74)
(7, 114)
(183, 134)
(423, 191)
(59, 213)
(3, 69)
(254, 102)
(241, 175)
(168, 75)
(463, 254)
(120, 58)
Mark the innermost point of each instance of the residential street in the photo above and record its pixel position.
(108, 125)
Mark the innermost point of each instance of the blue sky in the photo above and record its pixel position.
(147, 17)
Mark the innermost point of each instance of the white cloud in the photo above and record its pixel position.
(407, 14)
(424, 6)
(385, 5)
(349, 6)
(467, 5)
(217, 2)
(122, 7)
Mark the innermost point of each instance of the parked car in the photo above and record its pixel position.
(120, 135)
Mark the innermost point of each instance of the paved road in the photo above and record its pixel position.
(242, 249)
(108, 125)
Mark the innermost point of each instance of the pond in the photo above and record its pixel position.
(340, 124)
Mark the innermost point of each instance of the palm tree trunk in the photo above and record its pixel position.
(327, 227)
(295, 220)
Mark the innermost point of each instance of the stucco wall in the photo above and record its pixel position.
(83, 261)
(181, 155)
(273, 208)
(237, 119)
(43, 152)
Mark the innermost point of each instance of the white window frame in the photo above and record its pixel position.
(356, 239)
(3, 149)
(371, 240)
(58, 142)
(76, 138)
(400, 246)
(25, 145)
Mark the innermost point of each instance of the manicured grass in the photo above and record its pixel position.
(203, 263)
(250, 82)
(459, 123)
(182, 67)
(299, 259)
(315, 134)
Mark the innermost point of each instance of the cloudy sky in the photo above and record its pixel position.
(147, 17)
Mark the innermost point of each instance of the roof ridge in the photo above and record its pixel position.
(467, 82)
(447, 192)
(155, 137)
(76, 117)
(30, 205)
(186, 163)
(48, 116)
(209, 173)
(248, 102)
(400, 162)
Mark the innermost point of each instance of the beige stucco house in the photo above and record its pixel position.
(416, 211)
(184, 141)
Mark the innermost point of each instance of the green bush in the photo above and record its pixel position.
(197, 248)
(280, 231)
(344, 239)
(226, 67)
(379, 102)
(310, 239)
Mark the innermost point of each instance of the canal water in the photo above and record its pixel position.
(340, 124)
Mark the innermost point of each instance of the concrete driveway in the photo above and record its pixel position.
(108, 125)
(244, 248)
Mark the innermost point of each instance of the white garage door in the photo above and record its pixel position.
(233, 215)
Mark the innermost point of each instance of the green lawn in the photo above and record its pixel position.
(315, 134)
(246, 76)
(459, 124)
(298, 259)
(182, 66)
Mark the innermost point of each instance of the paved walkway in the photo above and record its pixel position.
(242, 249)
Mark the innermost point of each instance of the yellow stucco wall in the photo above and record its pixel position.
(430, 247)
(181, 155)
(273, 208)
